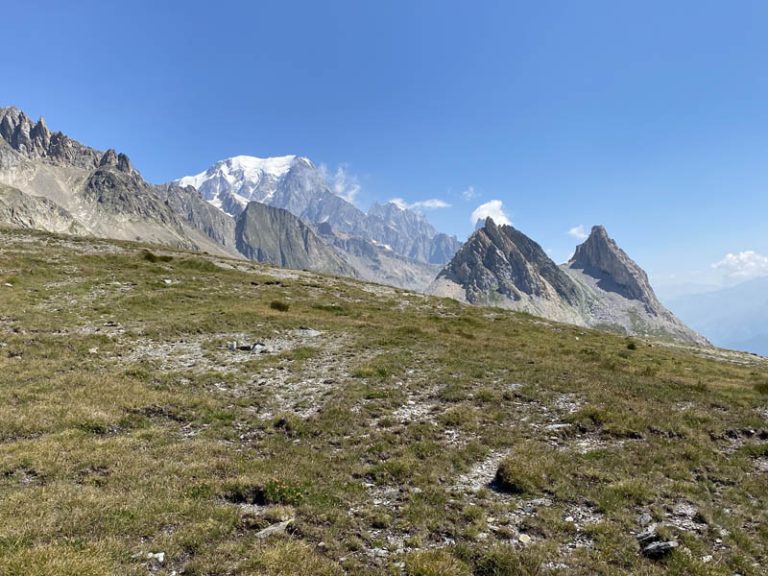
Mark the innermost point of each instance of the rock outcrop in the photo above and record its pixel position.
(88, 192)
(601, 258)
(276, 236)
(600, 286)
(501, 266)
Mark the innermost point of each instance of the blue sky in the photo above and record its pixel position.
(648, 117)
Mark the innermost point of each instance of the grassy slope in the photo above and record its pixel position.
(127, 427)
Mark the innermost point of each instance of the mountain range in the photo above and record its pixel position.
(297, 185)
(600, 286)
(52, 182)
(283, 211)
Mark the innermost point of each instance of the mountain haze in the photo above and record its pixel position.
(735, 317)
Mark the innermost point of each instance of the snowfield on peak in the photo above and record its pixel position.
(241, 179)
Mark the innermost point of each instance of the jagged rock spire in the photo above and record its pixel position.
(35, 141)
(600, 257)
(119, 161)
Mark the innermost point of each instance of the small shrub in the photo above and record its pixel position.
(519, 475)
(152, 257)
(270, 492)
(435, 563)
(279, 305)
(761, 387)
(503, 560)
(631, 345)
(526, 471)
(199, 265)
(284, 557)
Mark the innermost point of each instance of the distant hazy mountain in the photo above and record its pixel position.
(297, 185)
(735, 317)
(600, 286)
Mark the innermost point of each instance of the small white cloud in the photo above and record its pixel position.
(578, 232)
(342, 183)
(470, 193)
(743, 265)
(345, 184)
(430, 204)
(493, 209)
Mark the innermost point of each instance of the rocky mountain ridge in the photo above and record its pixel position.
(601, 286)
(54, 183)
(49, 181)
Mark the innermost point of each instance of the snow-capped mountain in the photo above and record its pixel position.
(230, 184)
(296, 184)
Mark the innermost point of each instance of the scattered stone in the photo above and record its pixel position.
(707, 559)
(93, 351)
(379, 553)
(8, 285)
(557, 426)
(259, 348)
(644, 519)
(647, 536)
(278, 528)
(167, 281)
(658, 550)
(685, 509)
(156, 557)
(524, 539)
(308, 332)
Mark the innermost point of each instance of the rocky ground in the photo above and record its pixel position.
(166, 413)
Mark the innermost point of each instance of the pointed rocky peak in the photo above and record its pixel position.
(35, 141)
(108, 159)
(503, 260)
(115, 160)
(124, 163)
(268, 234)
(600, 257)
(482, 223)
(41, 134)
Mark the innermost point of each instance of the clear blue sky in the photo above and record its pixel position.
(648, 117)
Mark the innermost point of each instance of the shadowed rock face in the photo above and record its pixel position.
(600, 286)
(600, 257)
(276, 236)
